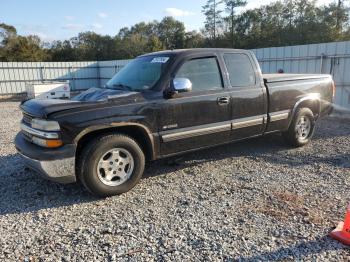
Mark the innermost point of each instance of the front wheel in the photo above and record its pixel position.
(111, 165)
(302, 128)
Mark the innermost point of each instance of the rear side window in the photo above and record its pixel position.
(240, 69)
(204, 73)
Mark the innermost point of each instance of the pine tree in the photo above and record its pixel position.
(213, 18)
(230, 8)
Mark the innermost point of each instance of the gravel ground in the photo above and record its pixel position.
(251, 201)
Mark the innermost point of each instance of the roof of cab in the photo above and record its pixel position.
(195, 51)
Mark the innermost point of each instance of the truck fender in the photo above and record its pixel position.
(313, 99)
(114, 126)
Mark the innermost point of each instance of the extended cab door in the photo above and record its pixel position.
(248, 95)
(198, 118)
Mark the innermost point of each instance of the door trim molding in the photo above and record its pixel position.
(182, 133)
(248, 122)
(280, 115)
(197, 131)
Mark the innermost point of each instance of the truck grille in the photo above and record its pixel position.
(27, 119)
(27, 136)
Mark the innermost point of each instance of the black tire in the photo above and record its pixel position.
(292, 136)
(91, 155)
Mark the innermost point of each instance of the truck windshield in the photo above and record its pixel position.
(140, 74)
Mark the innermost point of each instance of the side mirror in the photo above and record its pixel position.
(182, 85)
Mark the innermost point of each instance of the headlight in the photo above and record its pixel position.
(45, 125)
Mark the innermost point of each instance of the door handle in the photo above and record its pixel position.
(223, 100)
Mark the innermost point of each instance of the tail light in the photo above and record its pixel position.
(334, 88)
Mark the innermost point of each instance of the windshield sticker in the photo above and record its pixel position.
(161, 60)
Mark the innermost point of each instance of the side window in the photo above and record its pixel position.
(204, 74)
(240, 69)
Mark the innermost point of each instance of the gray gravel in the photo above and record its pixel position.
(251, 201)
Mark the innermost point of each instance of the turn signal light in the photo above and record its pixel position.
(334, 89)
(52, 143)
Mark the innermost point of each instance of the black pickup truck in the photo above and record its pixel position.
(163, 104)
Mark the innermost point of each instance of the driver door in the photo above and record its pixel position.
(198, 118)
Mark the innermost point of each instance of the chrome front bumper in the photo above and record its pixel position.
(53, 164)
(60, 171)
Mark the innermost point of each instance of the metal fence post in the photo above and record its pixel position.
(98, 75)
(323, 56)
(41, 72)
(72, 77)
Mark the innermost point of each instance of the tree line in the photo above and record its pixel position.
(281, 23)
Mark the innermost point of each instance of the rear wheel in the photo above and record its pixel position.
(301, 129)
(111, 165)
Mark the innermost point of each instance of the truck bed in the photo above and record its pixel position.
(272, 78)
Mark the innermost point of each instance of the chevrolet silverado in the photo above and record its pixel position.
(164, 104)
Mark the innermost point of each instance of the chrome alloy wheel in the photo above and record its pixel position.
(303, 127)
(115, 167)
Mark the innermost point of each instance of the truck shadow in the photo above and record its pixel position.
(296, 252)
(271, 149)
(23, 191)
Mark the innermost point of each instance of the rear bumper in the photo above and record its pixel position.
(327, 109)
(57, 165)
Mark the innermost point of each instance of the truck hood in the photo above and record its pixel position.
(92, 97)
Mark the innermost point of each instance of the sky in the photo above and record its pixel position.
(62, 19)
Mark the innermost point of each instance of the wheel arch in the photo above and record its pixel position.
(140, 133)
(311, 101)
